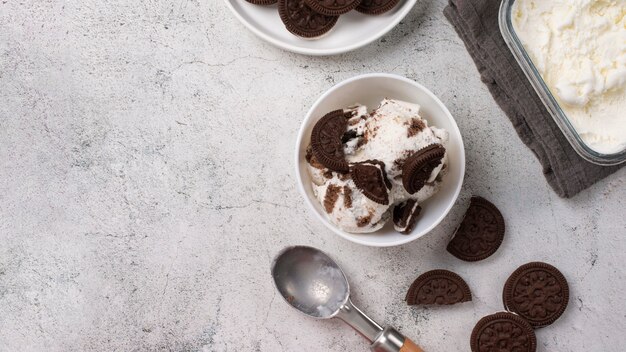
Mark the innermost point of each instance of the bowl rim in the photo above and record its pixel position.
(363, 241)
(402, 12)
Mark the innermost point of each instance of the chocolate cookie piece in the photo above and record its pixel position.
(348, 136)
(262, 2)
(370, 179)
(302, 21)
(376, 7)
(326, 141)
(405, 216)
(538, 292)
(480, 234)
(332, 7)
(382, 168)
(441, 287)
(332, 194)
(418, 167)
(503, 332)
(416, 125)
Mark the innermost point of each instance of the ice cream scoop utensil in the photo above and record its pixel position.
(310, 281)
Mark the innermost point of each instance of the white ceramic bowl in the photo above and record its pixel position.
(370, 89)
(352, 31)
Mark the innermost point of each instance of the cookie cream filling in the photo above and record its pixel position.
(579, 48)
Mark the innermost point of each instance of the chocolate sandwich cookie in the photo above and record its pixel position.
(418, 167)
(326, 141)
(376, 7)
(332, 7)
(480, 234)
(503, 332)
(405, 216)
(370, 178)
(262, 2)
(538, 292)
(302, 21)
(441, 287)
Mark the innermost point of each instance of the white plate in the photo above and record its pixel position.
(370, 89)
(352, 31)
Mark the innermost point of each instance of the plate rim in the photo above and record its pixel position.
(404, 10)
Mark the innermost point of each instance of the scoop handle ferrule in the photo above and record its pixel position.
(410, 346)
(390, 340)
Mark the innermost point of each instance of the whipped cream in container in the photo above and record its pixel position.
(578, 47)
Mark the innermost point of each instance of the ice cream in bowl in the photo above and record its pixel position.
(380, 160)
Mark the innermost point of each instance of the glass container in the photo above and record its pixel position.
(548, 99)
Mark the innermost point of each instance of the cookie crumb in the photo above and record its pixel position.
(332, 194)
(347, 197)
(415, 126)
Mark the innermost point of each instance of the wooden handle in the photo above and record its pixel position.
(409, 346)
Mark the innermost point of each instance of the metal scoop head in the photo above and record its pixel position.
(310, 281)
(313, 283)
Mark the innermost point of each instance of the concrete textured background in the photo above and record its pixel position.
(146, 181)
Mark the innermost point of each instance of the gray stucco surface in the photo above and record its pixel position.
(147, 179)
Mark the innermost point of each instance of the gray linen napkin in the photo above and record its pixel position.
(476, 22)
